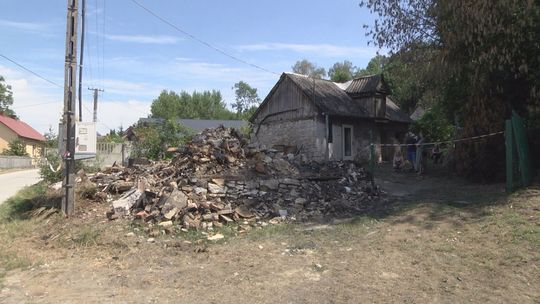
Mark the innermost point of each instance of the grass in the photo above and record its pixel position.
(87, 235)
(14, 225)
(25, 200)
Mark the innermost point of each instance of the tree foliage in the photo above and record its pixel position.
(375, 66)
(305, 67)
(16, 148)
(6, 98)
(479, 60)
(198, 105)
(152, 140)
(434, 126)
(51, 139)
(342, 71)
(247, 99)
(114, 136)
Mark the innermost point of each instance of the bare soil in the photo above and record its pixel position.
(437, 239)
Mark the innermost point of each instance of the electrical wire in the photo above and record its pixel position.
(195, 38)
(30, 71)
(36, 105)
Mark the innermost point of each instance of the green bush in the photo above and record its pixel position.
(50, 169)
(434, 126)
(16, 148)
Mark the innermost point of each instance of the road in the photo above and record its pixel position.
(12, 182)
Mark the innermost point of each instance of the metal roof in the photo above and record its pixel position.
(368, 85)
(334, 99)
(328, 97)
(21, 128)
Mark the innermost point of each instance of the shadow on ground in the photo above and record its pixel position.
(436, 197)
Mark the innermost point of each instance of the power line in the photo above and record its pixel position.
(36, 104)
(30, 71)
(195, 38)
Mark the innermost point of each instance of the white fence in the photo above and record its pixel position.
(106, 154)
(13, 162)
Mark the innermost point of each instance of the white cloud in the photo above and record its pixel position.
(324, 50)
(145, 39)
(41, 105)
(131, 88)
(115, 113)
(25, 26)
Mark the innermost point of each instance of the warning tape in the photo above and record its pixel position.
(440, 142)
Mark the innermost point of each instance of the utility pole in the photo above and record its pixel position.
(95, 101)
(68, 136)
(83, 17)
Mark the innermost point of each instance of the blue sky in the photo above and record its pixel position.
(133, 56)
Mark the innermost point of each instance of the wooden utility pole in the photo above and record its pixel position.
(95, 101)
(68, 136)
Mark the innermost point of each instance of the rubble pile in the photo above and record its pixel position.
(217, 178)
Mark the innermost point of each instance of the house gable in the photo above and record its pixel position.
(6, 136)
(286, 101)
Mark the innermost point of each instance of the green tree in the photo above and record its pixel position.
(51, 139)
(482, 58)
(305, 67)
(342, 71)
(376, 65)
(198, 105)
(16, 148)
(247, 99)
(434, 126)
(114, 136)
(152, 140)
(6, 98)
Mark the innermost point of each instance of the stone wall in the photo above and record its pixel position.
(307, 135)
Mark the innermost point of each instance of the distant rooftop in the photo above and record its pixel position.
(200, 124)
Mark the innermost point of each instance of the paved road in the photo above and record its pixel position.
(12, 182)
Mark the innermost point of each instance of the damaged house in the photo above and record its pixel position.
(329, 121)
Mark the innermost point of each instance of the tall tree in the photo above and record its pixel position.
(6, 98)
(247, 99)
(483, 57)
(375, 66)
(342, 71)
(198, 105)
(308, 68)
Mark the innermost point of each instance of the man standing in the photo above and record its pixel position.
(411, 150)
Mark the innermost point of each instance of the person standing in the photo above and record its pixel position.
(411, 150)
(397, 161)
(420, 162)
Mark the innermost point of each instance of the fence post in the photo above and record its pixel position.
(525, 167)
(509, 141)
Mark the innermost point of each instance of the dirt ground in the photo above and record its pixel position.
(437, 239)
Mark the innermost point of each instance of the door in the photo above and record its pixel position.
(347, 142)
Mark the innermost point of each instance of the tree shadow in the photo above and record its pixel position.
(439, 198)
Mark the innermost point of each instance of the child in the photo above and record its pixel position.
(436, 154)
(398, 160)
